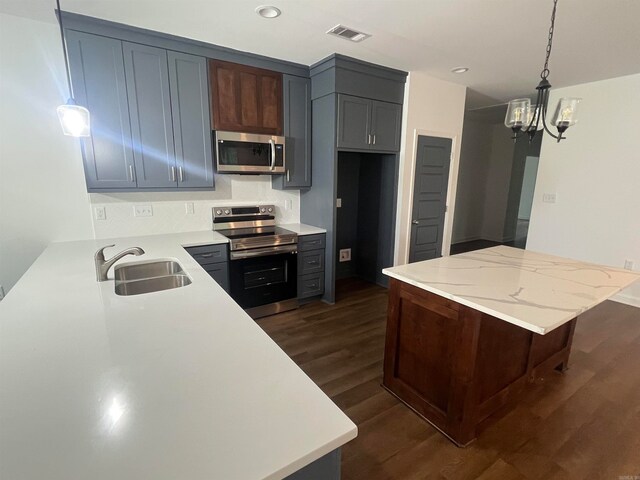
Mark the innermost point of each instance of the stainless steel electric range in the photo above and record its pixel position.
(263, 259)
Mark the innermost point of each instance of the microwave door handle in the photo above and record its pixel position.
(273, 153)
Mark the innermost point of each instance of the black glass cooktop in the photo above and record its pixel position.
(252, 232)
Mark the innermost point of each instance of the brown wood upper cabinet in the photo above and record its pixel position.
(245, 99)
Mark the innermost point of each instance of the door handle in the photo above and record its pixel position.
(133, 178)
(369, 139)
(180, 174)
(374, 138)
(288, 179)
(273, 153)
(415, 222)
(173, 174)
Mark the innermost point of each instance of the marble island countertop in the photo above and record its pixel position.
(177, 384)
(535, 291)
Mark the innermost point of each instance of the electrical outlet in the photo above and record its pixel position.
(338, 202)
(628, 264)
(1, 292)
(345, 255)
(549, 197)
(100, 213)
(288, 204)
(189, 208)
(143, 211)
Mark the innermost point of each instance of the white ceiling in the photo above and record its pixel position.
(501, 41)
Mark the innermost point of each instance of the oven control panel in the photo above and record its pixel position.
(243, 211)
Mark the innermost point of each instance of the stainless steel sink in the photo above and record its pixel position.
(148, 285)
(140, 270)
(146, 277)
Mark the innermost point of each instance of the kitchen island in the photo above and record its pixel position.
(174, 384)
(466, 334)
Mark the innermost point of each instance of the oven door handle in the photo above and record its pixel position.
(263, 252)
(273, 153)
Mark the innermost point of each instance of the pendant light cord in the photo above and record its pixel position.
(64, 50)
(545, 71)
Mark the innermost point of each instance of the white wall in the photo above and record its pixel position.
(436, 108)
(43, 195)
(596, 175)
(42, 192)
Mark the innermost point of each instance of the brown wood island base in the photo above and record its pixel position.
(456, 366)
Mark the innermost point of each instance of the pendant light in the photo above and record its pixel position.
(75, 119)
(523, 117)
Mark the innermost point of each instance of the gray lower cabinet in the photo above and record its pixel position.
(98, 76)
(149, 108)
(191, 121)
(214, 259)
(311, 260)
(365, 124)
(147, 75)
(297, 131)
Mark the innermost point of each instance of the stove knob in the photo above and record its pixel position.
(270, 209)
(218, 212)
(227, 211)
(263, 210)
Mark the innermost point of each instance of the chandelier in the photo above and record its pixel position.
(524, 118)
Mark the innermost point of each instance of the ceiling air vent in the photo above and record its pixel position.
(348, 33)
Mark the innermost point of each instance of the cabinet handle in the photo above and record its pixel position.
(133, 178)
(206, 255)
(415, 222)
(288, 179)
(173, 174)
(369, 140)
(374, 138)
(180, 174)
(312, 262)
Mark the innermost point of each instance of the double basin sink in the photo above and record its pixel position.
(146, 277)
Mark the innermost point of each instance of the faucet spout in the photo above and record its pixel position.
(103, 266)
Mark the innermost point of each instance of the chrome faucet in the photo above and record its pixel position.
(103, 266)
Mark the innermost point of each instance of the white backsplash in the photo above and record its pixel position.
(170, 210)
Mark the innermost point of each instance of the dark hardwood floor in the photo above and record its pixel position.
(583, 424)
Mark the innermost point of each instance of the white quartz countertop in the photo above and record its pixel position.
(533, 290)
(178, 384)
(302, 229)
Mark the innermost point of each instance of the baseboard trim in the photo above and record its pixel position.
(465, 240)
(627, 300)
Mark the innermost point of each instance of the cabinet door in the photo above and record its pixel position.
(150, 111)
(354, 114)
(245, 99)
(386, 119)
(191, 123)
(97, 72)
(297, 132)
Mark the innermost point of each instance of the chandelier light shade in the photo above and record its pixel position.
(74, 119)
(523, 117)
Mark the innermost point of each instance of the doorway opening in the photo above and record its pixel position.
(365, 220)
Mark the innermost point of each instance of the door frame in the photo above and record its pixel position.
(403, 220)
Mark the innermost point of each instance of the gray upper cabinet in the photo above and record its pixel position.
(297, 131)
(386, 119)
(365, 124)
(98, 76)
(147, 76)
(191, 121)
(150, 126)
(354, 122)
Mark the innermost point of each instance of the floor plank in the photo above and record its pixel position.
(581, 424)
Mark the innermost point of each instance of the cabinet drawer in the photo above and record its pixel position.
(209, 253)
(311, 242)
(220, 273)
(310, 285)
(310, 262)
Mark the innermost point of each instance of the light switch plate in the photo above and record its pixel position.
(549, 197)
(143, 211)
(338, 202)
(189, 208)
(100, 213)
(628, 264)
(345, 255)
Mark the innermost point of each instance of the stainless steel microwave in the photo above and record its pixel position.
(249, 153)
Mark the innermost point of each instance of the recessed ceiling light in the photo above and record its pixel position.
(460, 69)
(268, 11)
